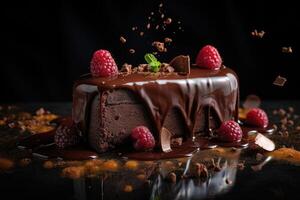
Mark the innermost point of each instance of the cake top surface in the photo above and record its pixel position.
(147, 77)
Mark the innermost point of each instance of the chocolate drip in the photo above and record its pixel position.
(190, 94)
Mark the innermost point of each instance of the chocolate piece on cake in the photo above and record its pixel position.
(107, 109)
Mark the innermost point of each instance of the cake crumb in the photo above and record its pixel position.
(132, 51)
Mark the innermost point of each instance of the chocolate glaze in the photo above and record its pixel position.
(195, 96)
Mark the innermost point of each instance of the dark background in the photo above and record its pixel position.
(48, 45)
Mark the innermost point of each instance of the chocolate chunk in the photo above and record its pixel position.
(122, 39)
(181, 64)
(165, 140)
(279, 81)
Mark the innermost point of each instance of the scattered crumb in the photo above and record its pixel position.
(6, 164)
(131, 164)
(258, 34)
(48, 164)
(128, 188)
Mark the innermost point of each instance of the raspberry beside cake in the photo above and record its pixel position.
(186, 102)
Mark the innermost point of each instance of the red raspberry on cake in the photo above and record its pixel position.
(257, 117)
(230, 131)
(66, 134)
(209, 57)
(142, 138)
(103, 64)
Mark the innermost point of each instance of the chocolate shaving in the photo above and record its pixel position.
(181, 64)
(279, 81)
(264, 142)
(165, 140)
(252, 101)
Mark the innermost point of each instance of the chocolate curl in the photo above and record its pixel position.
(165, 140)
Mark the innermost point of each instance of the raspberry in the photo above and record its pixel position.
(103, 64)
(142, 138)
(230, 131)
(209, 57)
(257, 117)
(66, 134)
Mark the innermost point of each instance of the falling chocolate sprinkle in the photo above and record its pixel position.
(141, 33)
(152, 13)
(160, 5)
(252, 101)
(287, 50)
(168, 21)
(179, 22)
(132, 51)
(168, 40)
(122, 39)
(181, 64)
(148, 26)
(279, 81)
(149, 18)
(157, 27)
(260, 34)
(162, 16)
(165, 140)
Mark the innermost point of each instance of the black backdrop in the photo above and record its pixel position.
(47, 45)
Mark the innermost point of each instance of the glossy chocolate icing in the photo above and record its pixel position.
(201, 95)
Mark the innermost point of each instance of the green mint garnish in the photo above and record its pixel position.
(153, 62)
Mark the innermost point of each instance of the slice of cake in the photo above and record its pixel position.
(187, 102)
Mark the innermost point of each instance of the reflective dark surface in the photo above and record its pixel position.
(229, 173)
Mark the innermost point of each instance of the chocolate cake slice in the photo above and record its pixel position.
(187, 104)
